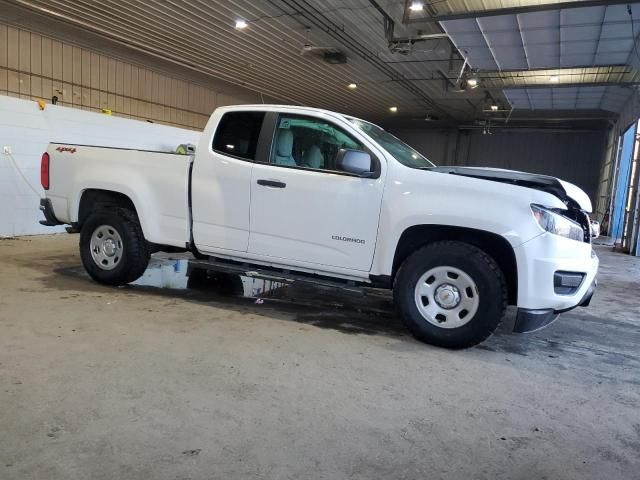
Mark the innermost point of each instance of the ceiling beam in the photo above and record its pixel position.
(516, 75)
(613, 68)
(560, 85)
(519, 10)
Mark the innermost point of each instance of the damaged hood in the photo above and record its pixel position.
(565, 191)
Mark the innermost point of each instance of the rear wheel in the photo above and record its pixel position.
(112, 246)
(450, 294)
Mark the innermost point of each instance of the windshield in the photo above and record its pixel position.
(396, 147)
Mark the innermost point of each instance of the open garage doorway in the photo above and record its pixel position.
(624, 231)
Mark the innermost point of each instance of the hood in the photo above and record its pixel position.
(569, 193)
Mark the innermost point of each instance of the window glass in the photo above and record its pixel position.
(309, 143)
(237, 134)
(396, 147)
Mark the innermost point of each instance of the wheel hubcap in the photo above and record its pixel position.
(446, 297)
(109, 247)
(106, 247)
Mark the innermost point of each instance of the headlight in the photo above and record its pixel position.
(555, 223)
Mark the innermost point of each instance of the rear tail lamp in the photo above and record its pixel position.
(44, 171)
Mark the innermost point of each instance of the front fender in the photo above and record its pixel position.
(420, 197)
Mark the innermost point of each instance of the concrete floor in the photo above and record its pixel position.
(142, 383)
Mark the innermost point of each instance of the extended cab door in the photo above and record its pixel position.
(304, 209)
(221, 181)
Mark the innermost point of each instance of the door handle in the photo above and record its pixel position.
(272, 183)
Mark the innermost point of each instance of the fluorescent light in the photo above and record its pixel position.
(554, 79)
(416, 6)
(494, 108)
(393, 109)
(240, 24)
(353, 86)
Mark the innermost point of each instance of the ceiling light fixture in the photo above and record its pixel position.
(353, 86)
(472, 82)
(416, 6)
(554, 79)
(240, 24)
(494, 108)
(393, 109)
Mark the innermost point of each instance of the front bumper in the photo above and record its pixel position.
(531, 320)
(539, 261)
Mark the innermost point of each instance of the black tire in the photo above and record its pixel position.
(484, 272)
(134, 257)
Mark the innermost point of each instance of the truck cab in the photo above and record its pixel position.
(289, 189)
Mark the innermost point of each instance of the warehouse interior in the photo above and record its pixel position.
(167, 379)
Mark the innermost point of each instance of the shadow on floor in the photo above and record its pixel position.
(580, 334)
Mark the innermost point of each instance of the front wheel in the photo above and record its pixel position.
(112, 247)
(450, 294)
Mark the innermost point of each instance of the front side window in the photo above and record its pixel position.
(396, 147)
(237, 134)
(308, 142)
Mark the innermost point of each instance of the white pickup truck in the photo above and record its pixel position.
(315, 195)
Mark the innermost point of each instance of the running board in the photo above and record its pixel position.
(278, 275)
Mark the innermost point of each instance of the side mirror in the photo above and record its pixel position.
(356, 162)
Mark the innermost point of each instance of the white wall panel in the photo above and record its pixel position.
(27, 130)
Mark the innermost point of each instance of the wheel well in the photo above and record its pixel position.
(494, 245)
(93, 200)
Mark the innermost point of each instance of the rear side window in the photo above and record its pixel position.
(237, 134)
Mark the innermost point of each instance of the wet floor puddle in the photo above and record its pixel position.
(175, 274)
(169, 274)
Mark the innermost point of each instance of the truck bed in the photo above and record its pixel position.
(148, 178)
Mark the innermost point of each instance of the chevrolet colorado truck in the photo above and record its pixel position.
(303, 193)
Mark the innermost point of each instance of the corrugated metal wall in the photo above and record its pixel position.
(432, 143)
(607, 175)
(571, 156)
(33, 66)
(574, 156)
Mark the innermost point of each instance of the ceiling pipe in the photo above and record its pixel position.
(388, 22)
(395, 43)
(405, 44)
(314, 16)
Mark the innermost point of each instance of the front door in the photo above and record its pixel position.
(304, 209)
